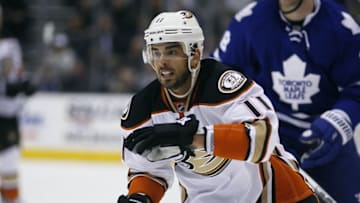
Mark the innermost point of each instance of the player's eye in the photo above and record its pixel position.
(156, 54)
(171, 53)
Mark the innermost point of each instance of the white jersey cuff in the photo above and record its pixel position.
(341, 122)
(209, 138)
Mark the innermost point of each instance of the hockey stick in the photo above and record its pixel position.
(322, 194)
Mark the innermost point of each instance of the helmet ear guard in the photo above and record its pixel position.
(193, 47)
(145, 55)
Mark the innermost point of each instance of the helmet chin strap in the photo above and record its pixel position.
(194, 73)
(293, 9)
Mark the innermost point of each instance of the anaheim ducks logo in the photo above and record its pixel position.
(231, 81)
(204, 163)
(186, 14)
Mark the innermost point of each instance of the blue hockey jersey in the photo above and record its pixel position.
(305, 68)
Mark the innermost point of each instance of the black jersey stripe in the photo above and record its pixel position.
(267, 139)
(263, 180)
(252, 108)
(267, 174)
(264, 103)
(273, 189)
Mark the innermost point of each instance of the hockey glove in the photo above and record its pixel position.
(134, 198)
(325, 138)
(15, 88)
(180, 133)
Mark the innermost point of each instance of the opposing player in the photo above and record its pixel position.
(12, 84)
(214, 123)
(306, 55)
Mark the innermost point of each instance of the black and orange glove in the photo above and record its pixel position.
(180, 133)
(134, 198)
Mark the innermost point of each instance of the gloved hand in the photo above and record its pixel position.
(134, 198)
(180, 133)
(23, 86)
(325, 138)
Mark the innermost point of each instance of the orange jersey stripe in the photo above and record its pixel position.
(143, 184)
(289, 185)
(10, 194)
(231, 141)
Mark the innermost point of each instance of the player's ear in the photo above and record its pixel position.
(195, 60)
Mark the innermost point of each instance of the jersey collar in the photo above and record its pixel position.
(308, 18)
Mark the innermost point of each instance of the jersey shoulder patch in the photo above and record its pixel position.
(220, 83)
(231, 81)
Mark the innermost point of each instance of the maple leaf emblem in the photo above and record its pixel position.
(294, 87)
(350, 23)
(247, 11)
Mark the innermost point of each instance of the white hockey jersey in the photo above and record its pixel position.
(242, 161)
(10, 71)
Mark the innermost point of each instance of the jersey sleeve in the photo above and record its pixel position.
(346, 70)
(150, 178)
(250, 132)
(12, 57)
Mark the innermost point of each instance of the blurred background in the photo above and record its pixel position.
(84, 56)
(95, 45)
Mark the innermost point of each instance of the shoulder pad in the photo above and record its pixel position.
(141, 106)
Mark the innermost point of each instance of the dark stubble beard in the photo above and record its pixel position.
(179, 82)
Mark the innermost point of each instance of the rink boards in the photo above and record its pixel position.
(72, 126)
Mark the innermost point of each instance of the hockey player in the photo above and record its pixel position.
(214, 123)
(306, 55)
(12, 84)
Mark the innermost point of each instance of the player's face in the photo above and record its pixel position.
(170, 64)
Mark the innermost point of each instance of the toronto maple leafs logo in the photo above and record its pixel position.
(294, 87)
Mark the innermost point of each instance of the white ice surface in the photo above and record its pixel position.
(76, 182)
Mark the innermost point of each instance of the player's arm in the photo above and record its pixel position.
(244, 141)
(249, 131)
(164, 142)
(147, 181)
(143, 188)
(19, 87)
(252, 139)
(345, 71)
(335, 127)
(12, 73)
